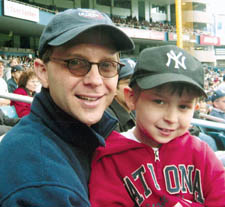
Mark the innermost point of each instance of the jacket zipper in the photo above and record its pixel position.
(156, 152)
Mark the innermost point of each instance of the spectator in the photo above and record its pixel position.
(78, 69)
(218, 102)
(7, 73)
(6, 123)
(119, 108)
(27, 85)
(221, 86)
(12, 83)
(3, 84)
(158, 162)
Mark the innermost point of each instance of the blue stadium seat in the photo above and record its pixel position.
(9, 111)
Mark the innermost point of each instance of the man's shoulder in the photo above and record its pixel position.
(218, 113)
(11, 81)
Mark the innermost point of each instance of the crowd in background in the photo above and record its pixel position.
(165, 26)
(214, 79)
(18, 77)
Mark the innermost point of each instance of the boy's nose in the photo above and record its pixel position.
(171, 115)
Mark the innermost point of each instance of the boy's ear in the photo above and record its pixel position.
(197, 106)
(129, 98)
(41, 72)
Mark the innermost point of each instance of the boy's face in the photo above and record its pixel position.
(220, 103)
(161, 115)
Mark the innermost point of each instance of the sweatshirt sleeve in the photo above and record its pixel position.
(106, 187)
(214, 190)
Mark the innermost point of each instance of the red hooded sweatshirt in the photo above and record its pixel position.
(184, 172)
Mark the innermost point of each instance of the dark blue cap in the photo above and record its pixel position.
(217, 94)
(70, 23)
(127, 70)
(16, 68)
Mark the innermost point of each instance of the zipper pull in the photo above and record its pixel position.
(156, 152)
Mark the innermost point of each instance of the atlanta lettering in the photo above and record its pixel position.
(179, 179)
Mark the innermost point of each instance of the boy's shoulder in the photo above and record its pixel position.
(117, 143)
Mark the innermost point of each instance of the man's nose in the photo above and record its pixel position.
(93, 76)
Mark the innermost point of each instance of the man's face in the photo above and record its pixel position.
(85, 97)
(17, 75)
(1, 69)
(220, 103)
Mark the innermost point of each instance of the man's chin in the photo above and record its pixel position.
(91, 120)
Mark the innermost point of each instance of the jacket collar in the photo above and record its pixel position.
(68, 128)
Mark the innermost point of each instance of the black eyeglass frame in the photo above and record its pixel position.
(89, 64)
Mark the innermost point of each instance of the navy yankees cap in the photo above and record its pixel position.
(128, 69)
(70, 23)
(159, 65)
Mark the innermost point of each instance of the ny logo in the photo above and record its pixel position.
(173, 56)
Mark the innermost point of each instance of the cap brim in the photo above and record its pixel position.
(152, 81)
(122, 41)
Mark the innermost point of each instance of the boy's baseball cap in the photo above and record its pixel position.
(68, 24)
(128, 69)
(159, 65)
(16, 68)
(217, 94)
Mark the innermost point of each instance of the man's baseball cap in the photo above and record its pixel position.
(159, 65)
(16, 68)
(70, 23)
(217, 94)
(128, 69)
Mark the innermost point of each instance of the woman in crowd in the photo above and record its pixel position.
(27, 85)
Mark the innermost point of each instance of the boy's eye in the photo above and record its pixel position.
(184, 107)
(158, 101)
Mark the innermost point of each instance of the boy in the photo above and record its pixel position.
(158, 162)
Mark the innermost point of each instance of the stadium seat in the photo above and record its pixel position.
(9, 111)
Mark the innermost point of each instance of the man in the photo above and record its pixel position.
(221, 86)
(45, 159)
(16, 72)
(218, 102)
(119, 108)
(3, 84)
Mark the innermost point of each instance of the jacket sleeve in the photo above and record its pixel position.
(45, 196)
(106, 187)
(34, 172)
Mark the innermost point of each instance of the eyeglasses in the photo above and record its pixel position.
(80, 67)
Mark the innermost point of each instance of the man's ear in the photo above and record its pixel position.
(129, 98)
(41, 72)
